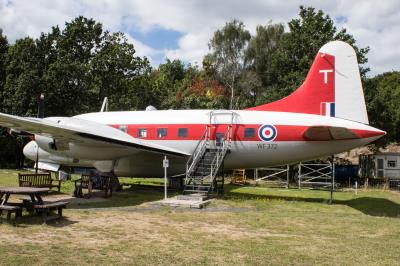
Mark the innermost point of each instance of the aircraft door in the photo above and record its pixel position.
(221, 123)
(219, 139)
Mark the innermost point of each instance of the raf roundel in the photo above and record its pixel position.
(267, 132)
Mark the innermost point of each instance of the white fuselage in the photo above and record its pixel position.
(247, 149)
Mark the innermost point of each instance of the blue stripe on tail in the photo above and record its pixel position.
(332, 109)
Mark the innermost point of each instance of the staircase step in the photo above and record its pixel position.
(194, 197)
(195, 190)
(197, 186)
(205, 192)
(202, 171)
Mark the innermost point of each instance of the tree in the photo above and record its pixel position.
(167, 81)
(83, 64)
(3, 54)
(75, 68)
(298, 47)
(259, 55)
(119, 74)
(228, 47)
(21, 88)
(382, 95)
(261, 48)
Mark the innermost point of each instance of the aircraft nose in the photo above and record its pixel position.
(30, 150)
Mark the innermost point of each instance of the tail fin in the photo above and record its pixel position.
(332, 87)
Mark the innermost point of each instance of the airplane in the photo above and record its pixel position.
(326, 115)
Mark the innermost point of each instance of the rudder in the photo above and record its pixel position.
(332, 87)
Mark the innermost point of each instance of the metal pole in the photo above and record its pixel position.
(356, 185)
(37, 159)
(165, 177)
(332, 177)
(299, 175)
(40, 114)
(287, 176)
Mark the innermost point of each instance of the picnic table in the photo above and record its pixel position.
(36, 202)
(33, 192)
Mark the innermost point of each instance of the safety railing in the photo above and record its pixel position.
(197, 154)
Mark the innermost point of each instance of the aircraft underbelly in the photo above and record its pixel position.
(252, 154)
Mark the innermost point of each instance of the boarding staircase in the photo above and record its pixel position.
(207, 160)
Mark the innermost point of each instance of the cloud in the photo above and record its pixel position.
(372, 24)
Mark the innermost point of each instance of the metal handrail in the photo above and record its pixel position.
(220, 154)
(200, 147)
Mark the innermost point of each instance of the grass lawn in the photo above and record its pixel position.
(247, 226)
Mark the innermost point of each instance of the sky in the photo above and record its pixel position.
(181, 29)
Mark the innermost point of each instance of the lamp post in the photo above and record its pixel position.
(40, 114)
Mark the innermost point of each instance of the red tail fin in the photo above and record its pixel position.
(315, 96)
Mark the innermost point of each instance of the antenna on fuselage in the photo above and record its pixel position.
(40, 113)
(104, 106)
(150, 108)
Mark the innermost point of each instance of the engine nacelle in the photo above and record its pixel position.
(45, 143)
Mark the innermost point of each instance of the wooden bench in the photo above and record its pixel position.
(38, 180)
(11, 209)
(86, 182)
(46, 208)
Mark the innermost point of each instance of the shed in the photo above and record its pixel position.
(380, 165)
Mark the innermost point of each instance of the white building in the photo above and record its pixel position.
(380, 165)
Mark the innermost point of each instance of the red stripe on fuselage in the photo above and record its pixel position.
(195, 131)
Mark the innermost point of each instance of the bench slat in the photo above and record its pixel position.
(38, 180)
(9, 208)
(50, 205)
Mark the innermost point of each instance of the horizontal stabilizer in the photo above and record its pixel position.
(321, 133)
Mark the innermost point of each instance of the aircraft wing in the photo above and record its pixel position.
(320, 133)
(75, 130)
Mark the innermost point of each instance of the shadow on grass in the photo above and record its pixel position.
(373, 206)
(249, 196)
(136, 195)
(29, 220)
(130, 197)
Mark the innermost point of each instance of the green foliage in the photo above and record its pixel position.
(3, 54)
(228, 47)
(297, 49)
(22, 79)
(382, 95)
(75, 69)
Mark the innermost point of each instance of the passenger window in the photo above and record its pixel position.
(142, 133)
(161, 132)
(249, 133)
(123, 128)
(182, 132)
